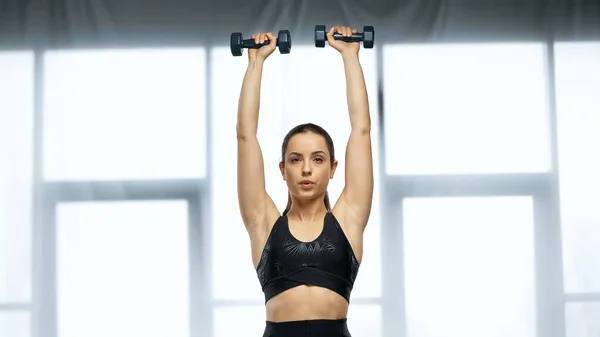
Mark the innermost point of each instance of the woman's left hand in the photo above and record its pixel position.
(341, 46)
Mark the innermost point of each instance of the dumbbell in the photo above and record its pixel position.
(237, 43)
(367, 37)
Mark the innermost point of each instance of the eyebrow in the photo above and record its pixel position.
(298, 154)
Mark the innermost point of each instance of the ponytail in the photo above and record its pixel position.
(289, 203)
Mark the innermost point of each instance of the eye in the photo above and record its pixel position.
(295, 160)
(319, 159)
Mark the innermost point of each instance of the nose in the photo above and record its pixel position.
(306, 169)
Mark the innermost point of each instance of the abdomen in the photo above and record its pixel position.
(305, 303)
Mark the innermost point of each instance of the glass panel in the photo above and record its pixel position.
(284, 104)
(462, 278)
(124, 114)
(239, 321)
(582, 319)
(123, 269)
(465, 108)
(578, 103)
(16, 174)
(365, 320)
(15, 324)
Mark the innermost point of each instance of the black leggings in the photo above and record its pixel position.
(309, 328)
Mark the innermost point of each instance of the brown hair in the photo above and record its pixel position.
(304, 128)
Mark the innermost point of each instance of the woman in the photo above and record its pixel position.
(308, 257)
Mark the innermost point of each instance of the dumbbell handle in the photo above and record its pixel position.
(356, 37)
(250, 44)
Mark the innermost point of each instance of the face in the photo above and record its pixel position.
(307, 167)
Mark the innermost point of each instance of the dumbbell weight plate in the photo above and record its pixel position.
(236, 44)
(284, 41)
(368, 36)
(320, 37)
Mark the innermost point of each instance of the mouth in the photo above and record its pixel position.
(306, 183)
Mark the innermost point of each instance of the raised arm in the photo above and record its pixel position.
(356, 198)
(254, 202)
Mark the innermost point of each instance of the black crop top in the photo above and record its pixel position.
(328, 261)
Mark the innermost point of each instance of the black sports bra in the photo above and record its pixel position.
(328, 261)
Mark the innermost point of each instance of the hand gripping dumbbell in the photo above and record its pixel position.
(367, 37)
(284, 42)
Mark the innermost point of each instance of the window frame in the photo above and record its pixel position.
(543, 187)
(550, 297)
(26, 307)
(565, 298)
(47, 195)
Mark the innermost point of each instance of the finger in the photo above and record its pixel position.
(331, 32)
(272, 39)
(348, 31)
(329, 35)
(257, 38)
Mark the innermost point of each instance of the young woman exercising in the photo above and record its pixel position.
(306, 258)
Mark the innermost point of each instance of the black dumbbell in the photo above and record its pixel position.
(237, 43)
(367, 37)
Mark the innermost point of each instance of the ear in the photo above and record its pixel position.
(282, 169)
(333, 168)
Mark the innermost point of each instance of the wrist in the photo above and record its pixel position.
(350, 57)
(255, 62)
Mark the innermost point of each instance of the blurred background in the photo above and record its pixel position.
(118, 204)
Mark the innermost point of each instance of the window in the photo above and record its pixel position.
(578, 103)
(124, 114)
(16, 164)
(15, 324)
(469, 265)
(288, 98)
(582, 319)
(465, 109)
(249, 321)
(365, 320)
(123, 269)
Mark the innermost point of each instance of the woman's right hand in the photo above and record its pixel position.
(263, 52)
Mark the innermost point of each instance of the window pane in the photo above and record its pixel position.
(124, 114)
(465, 108)
(16, 172)
(123, 269)
(15, 324)
(285, 103)
(462, 278)
(582, 319)
(239, 321)
(365, 320)
(578, 103)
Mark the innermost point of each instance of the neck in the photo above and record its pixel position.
(307, 210)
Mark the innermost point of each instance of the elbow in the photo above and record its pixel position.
(241, 133)
(244, 131)
(362, 129)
